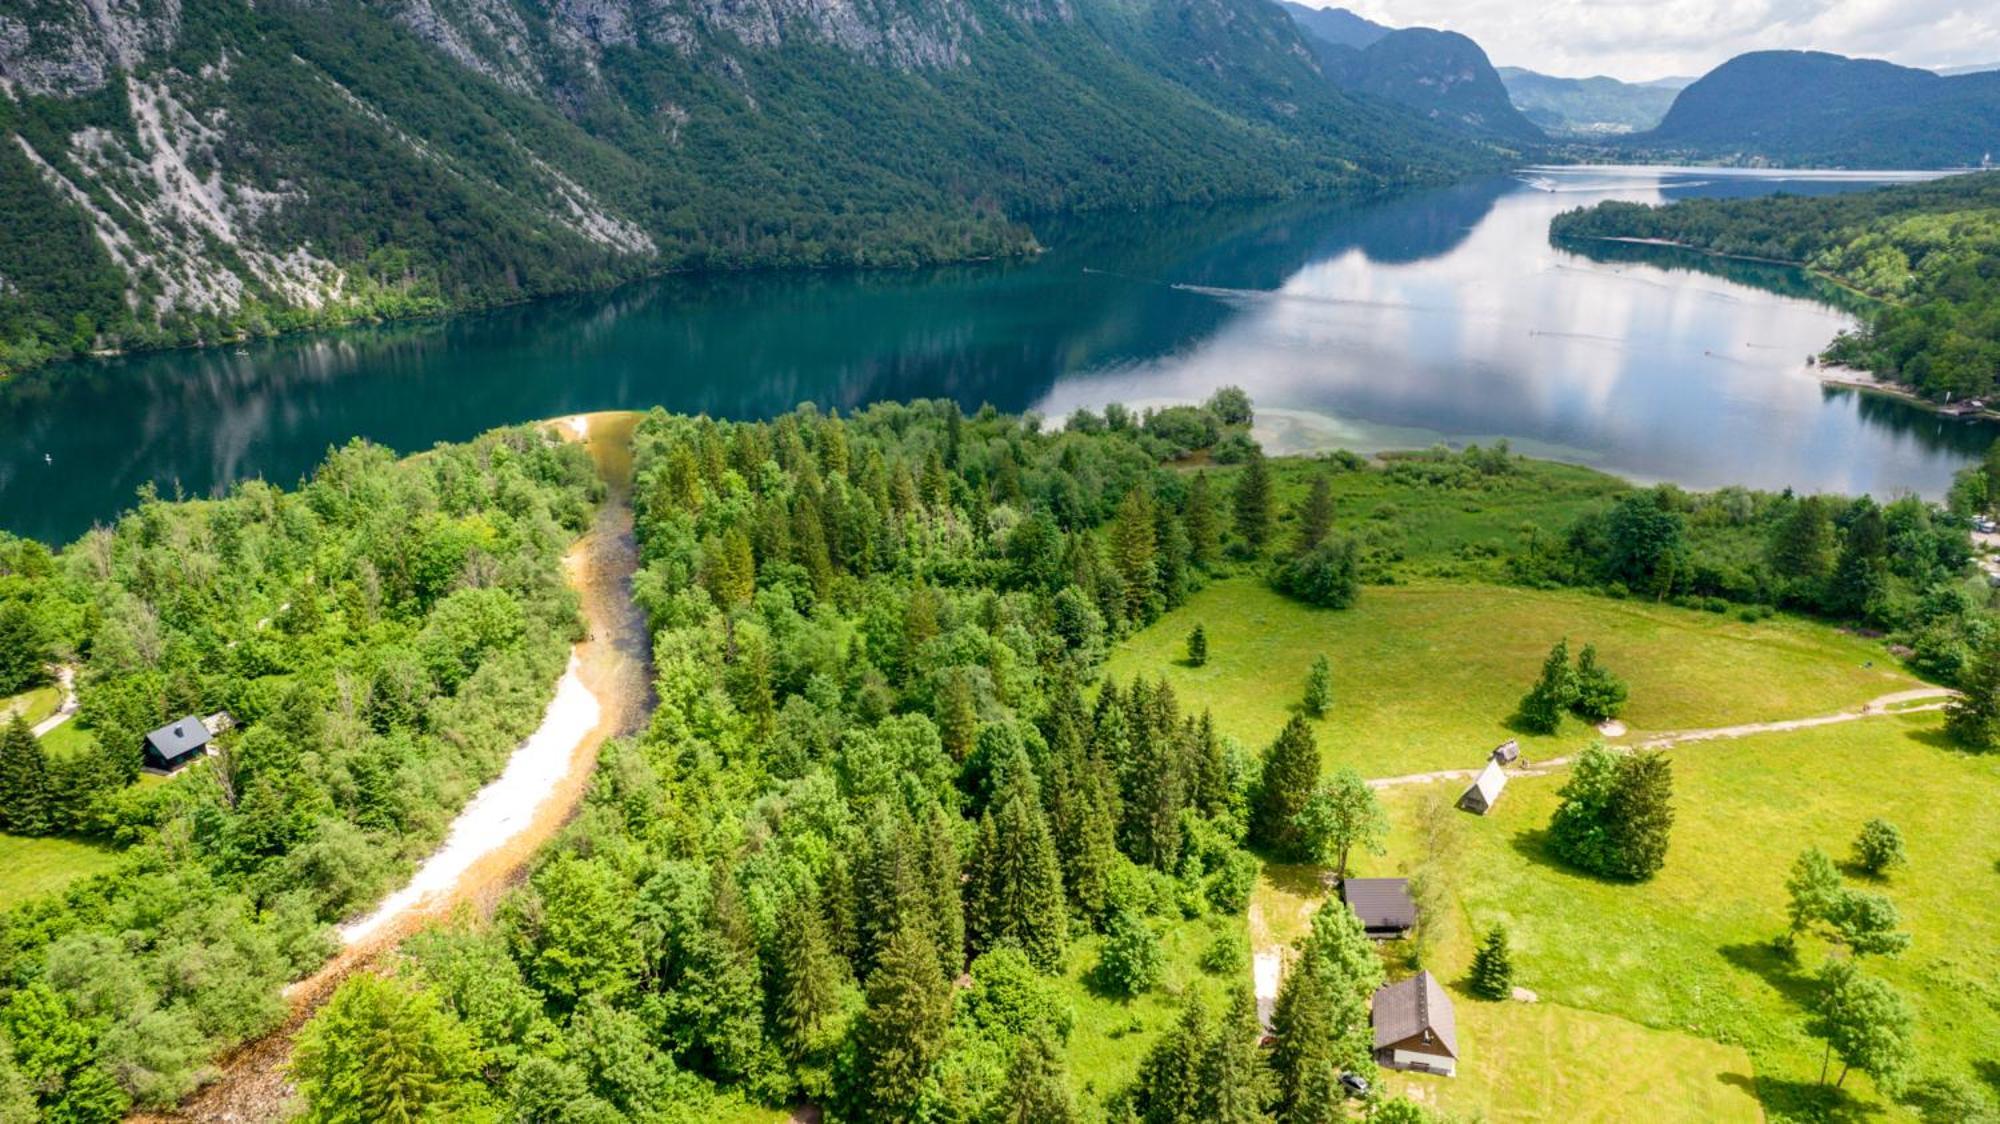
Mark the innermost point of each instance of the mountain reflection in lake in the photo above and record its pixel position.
(1426, 316)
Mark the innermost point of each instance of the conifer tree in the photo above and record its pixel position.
(1015, 890)
(1291, 774)
(1319, 688)
(1086, 830)
(1600, 695)
(381, 1052)
(1315, 516)
(1203, 523)
(1972, 717)
(803, 978)
(1542, 708)
(1253, 503)
(1197, 646)
(1321, 1016)
(1169, 1089)
(958, 715)
(941, 873)
(25, 805)
(1134, 553)
(1208, 773)
(1803, 548)
(901, 1032)
(1302, 1029)
(1172, 556)
(1036, 1090)
(1493, 966)
(1233, 1070)
(1153, 793)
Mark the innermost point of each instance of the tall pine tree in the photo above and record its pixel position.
(901, 1031)
(1291, 774)
(24, 781)
(1315, 516)
(1254, 503)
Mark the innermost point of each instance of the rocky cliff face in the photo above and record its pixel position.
(186, 172)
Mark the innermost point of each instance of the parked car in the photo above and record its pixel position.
(1355, 1084)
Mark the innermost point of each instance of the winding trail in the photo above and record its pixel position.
(66, 710)
(1927, 698)
(606, 692)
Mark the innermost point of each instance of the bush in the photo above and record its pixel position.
(1879, 847)
(1131, 962)
(1328, 575)
(1616, 814)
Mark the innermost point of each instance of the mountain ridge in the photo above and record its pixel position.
(187, 174)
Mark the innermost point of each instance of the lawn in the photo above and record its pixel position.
(29, 867)
(1113, 1034)
(1426, 676)
(1689, 953)
(34, 704)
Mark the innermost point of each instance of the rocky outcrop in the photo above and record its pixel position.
(67, 48)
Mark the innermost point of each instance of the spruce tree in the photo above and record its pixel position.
(1554, 693)
(1302, 1029)
(1153, 792)
(1208, 773)
(1253, 503)
(1197, 647)
(1036, 1090)
(1319, 688)
(1315, 516)
(1203, 523)
(803, 979)
(901, 1032)
(1972, 717)
(1600, 695)
(381, 1052)
(25, 799)
(1291, 774)
(1493, 966)
(1169, 1089)
(941, 873)
(1087, 835)
(1015, 891)
(1233, 1071)
(1134, 554)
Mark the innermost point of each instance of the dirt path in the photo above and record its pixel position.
(606, 692)
(66, 710)
(1926, 698)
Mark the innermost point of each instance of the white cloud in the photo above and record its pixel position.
(1637, 39)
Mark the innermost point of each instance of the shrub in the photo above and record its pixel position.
(1130, 962)
(1879, 847)
(1328, 575)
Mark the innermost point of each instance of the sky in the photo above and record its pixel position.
(1643, 39)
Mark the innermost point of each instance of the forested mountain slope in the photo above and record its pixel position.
(1595, 106)
(1813, 108)
(1440, 74)
(1930, 252)
(179, 173)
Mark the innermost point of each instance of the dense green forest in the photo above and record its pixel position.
(1929, 252)
(888, 791)
(324, 163)
(383, 636)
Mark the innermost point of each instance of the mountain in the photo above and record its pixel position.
(1586, 107)
(1336, 25)
(181, 173)
(1808, 107)
(1975, 68)
(1441, 74)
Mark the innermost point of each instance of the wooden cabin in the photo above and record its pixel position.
(1384, 905)
(1485, 790)
(1415, 1026)
(176, 743)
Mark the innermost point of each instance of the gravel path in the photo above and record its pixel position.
(1927, 698)
(65, 679)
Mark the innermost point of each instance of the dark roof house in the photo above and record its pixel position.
(1383, 904)
(1415, 1026)
(177, 743)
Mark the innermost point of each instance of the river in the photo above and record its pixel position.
(1436, 315)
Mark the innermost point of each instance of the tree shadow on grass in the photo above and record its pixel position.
(1775, 967)
(1937, 738)
(1533, 844)
(1987, 1071)
(1802, 1100)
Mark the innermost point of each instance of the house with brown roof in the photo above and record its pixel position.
(1384, 905)
(1415, 1027)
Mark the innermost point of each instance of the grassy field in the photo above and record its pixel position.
(1426, 676)
(1689, 954)
(38, 866)
(34, 705)
(1112, 1034)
